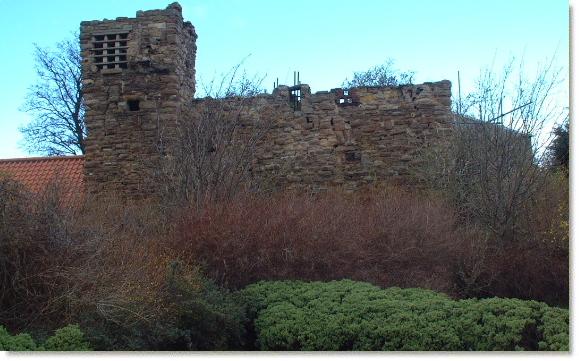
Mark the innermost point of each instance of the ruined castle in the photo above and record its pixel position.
(139, 85)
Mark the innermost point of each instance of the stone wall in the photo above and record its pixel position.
(139, 84)
(135, 95)
(345, 138)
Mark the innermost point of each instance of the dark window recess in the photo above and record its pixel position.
(295, 97)
(353, 156)
(133, 105)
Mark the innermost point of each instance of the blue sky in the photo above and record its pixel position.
(326, 40)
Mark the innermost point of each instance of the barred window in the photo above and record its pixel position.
(109, 51)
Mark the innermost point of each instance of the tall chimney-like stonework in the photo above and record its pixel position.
(138, 77)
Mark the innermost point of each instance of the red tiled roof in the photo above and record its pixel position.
(37, 173)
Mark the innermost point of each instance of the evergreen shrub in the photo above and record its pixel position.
(348, 315)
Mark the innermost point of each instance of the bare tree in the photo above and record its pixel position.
(55, 102)
(380, 75)
(215, 144)
(492, 165)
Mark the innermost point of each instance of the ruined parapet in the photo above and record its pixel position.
(138, 74)
(346, 137)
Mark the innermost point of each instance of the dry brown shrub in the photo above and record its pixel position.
(388, 237)
(122, 266)
(34, 253)
(102, 257)
(534, 268)
(106, 260)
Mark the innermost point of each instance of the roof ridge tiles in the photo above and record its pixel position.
(38, 159)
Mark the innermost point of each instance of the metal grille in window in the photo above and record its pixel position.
(109, 51)
(296, 97)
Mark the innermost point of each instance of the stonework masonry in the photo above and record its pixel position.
(138, 75)
(365, 136)
(136, 97)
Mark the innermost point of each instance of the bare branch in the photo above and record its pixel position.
(55, 102)
(215, 144)
(492, 165)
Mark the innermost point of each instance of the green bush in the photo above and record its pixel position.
(348, 315)
(69, 338)
(20, 342)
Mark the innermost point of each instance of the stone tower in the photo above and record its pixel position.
(138, 77)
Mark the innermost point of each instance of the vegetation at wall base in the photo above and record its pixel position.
(68, 338)
(348, 315)
(197, 315)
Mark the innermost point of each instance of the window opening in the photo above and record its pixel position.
(109, 51)
(133, 105)
(353, 156)
(344, 98)
(296, 98)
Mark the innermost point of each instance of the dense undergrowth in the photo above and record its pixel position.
(331, 316)
(141, 276)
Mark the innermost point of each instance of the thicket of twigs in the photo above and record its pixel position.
(109, 261)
